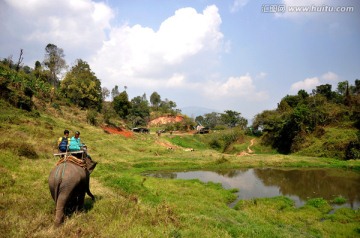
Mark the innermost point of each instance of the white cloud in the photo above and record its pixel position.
(177, 80)
(76, 26)
(237, 4)
(236, 87)
(261, 75)
(306, 84)
(311, 83)
(134, 54)
(330, 76)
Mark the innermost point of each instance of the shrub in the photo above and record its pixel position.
(91, 117)
(352, 150)
(27, 151)
(20, 148)
(339, 200)
(215, 144)
(320, 204)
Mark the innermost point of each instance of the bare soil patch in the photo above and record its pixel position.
(249, 151)
(118, 131)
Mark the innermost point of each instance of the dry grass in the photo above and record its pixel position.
(127, 205)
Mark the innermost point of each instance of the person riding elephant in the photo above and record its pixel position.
(75, 145)
(68, 183)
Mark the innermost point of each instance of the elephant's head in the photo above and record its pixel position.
(90, 164)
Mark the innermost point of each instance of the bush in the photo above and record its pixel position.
(27, 151)
(320, 204)
(215, 144)
(352, 150)
(339, 200)
(20, 148)
(91, 117)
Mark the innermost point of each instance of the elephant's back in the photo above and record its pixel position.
(67, 171)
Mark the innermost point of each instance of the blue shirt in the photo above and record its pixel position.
(75, 144)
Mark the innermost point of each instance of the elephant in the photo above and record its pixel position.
(68, 183)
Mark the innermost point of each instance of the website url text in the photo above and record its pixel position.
(282, 8)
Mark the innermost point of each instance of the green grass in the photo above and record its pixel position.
(188, 141)
(278, 217)
(129, 204)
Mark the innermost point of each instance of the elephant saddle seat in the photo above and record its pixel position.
(72, 159)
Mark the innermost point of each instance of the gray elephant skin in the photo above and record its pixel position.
(68, 184)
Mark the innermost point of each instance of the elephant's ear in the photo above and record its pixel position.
(90, 164)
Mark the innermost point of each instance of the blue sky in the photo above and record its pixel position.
(217, 54)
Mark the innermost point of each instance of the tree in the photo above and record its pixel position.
(82, 87)
(55, 62)
(212, 119)
(37, 65)
(115, 92)
(232, 119)
(155, 99)
(122, 105)
(356, 89)
(108, 111)
(168, 106)
(303, 94)
(42, 75)
(105, 93)
(325, 90)
(200, 120)
(342, 86)
(19, 60)
(139, 112)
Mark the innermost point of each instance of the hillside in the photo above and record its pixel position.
(127, 202)
(163, 120)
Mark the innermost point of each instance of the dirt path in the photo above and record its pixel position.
(251, 144)
(249, 151)
(166, 144)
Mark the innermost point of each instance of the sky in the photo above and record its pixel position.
(240, 55)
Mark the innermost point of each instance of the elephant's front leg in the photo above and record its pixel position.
(81, 199)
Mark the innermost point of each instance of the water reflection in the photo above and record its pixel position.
(298, 184)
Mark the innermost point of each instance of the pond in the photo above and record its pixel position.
(297, 184)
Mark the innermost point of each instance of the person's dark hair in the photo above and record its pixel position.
(77, 133)
(66, 132)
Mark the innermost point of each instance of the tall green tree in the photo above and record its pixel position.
(233, 118)
(82, 87)
(115, 92)
(342, 86)
(325, 90)
(212, 119)
(139, 113)
(55, 62)
(155, 100)
(122, 105)
(168, 106)
(200, 120)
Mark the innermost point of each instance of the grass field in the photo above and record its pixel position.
(129, 204)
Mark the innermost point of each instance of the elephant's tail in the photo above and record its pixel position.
(58, 178)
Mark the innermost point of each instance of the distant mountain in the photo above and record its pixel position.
(196, 111)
